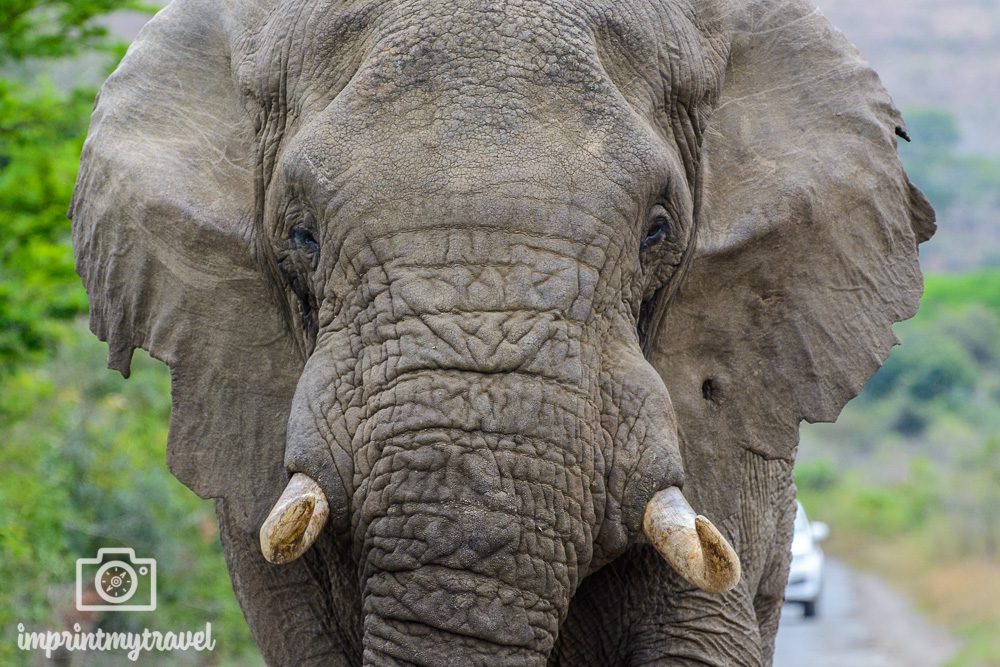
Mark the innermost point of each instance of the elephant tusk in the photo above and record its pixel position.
(690, 543)
(295, 520)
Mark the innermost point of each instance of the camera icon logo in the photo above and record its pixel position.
(122, 581)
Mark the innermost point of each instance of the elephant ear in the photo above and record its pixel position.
(807, 243)
(163, 214)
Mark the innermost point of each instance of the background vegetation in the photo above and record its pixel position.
(909, 478)
(81, 450)
(941, 56)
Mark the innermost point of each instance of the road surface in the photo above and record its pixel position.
(860, 622)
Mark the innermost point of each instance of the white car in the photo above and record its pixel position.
(805, 578)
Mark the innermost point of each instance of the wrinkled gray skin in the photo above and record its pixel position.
(493, 273)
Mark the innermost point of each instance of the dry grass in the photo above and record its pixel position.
(962, 593)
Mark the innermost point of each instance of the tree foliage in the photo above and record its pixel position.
(949, 357)
(81, 449)
(56, 28)
(41, 133)
(83, 467)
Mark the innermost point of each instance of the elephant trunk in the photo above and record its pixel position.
(476, 518)
(469, 585)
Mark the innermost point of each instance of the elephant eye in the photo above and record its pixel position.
(658, 228)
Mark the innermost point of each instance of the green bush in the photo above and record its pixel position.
(816, 476)
(82, 451)
(950, 291)
(880, 511)
(933, 129)
(950, 178)
(84, 468)
(933, 363)
(38, 285)
(939, 368)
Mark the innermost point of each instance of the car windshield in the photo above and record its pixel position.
(802, 541)
(801, 522)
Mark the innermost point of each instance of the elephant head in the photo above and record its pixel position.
(469, 303)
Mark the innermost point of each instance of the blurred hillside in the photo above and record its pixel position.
(932, 52)
(939, 61)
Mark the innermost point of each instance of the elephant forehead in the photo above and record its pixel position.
(443, 45)
(462, 63)
(416, 98)
(486, 53)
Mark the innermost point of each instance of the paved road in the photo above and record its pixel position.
(861, 622)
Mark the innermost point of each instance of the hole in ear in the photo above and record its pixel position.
(709, 391)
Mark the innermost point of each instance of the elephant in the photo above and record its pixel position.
(491, 324)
